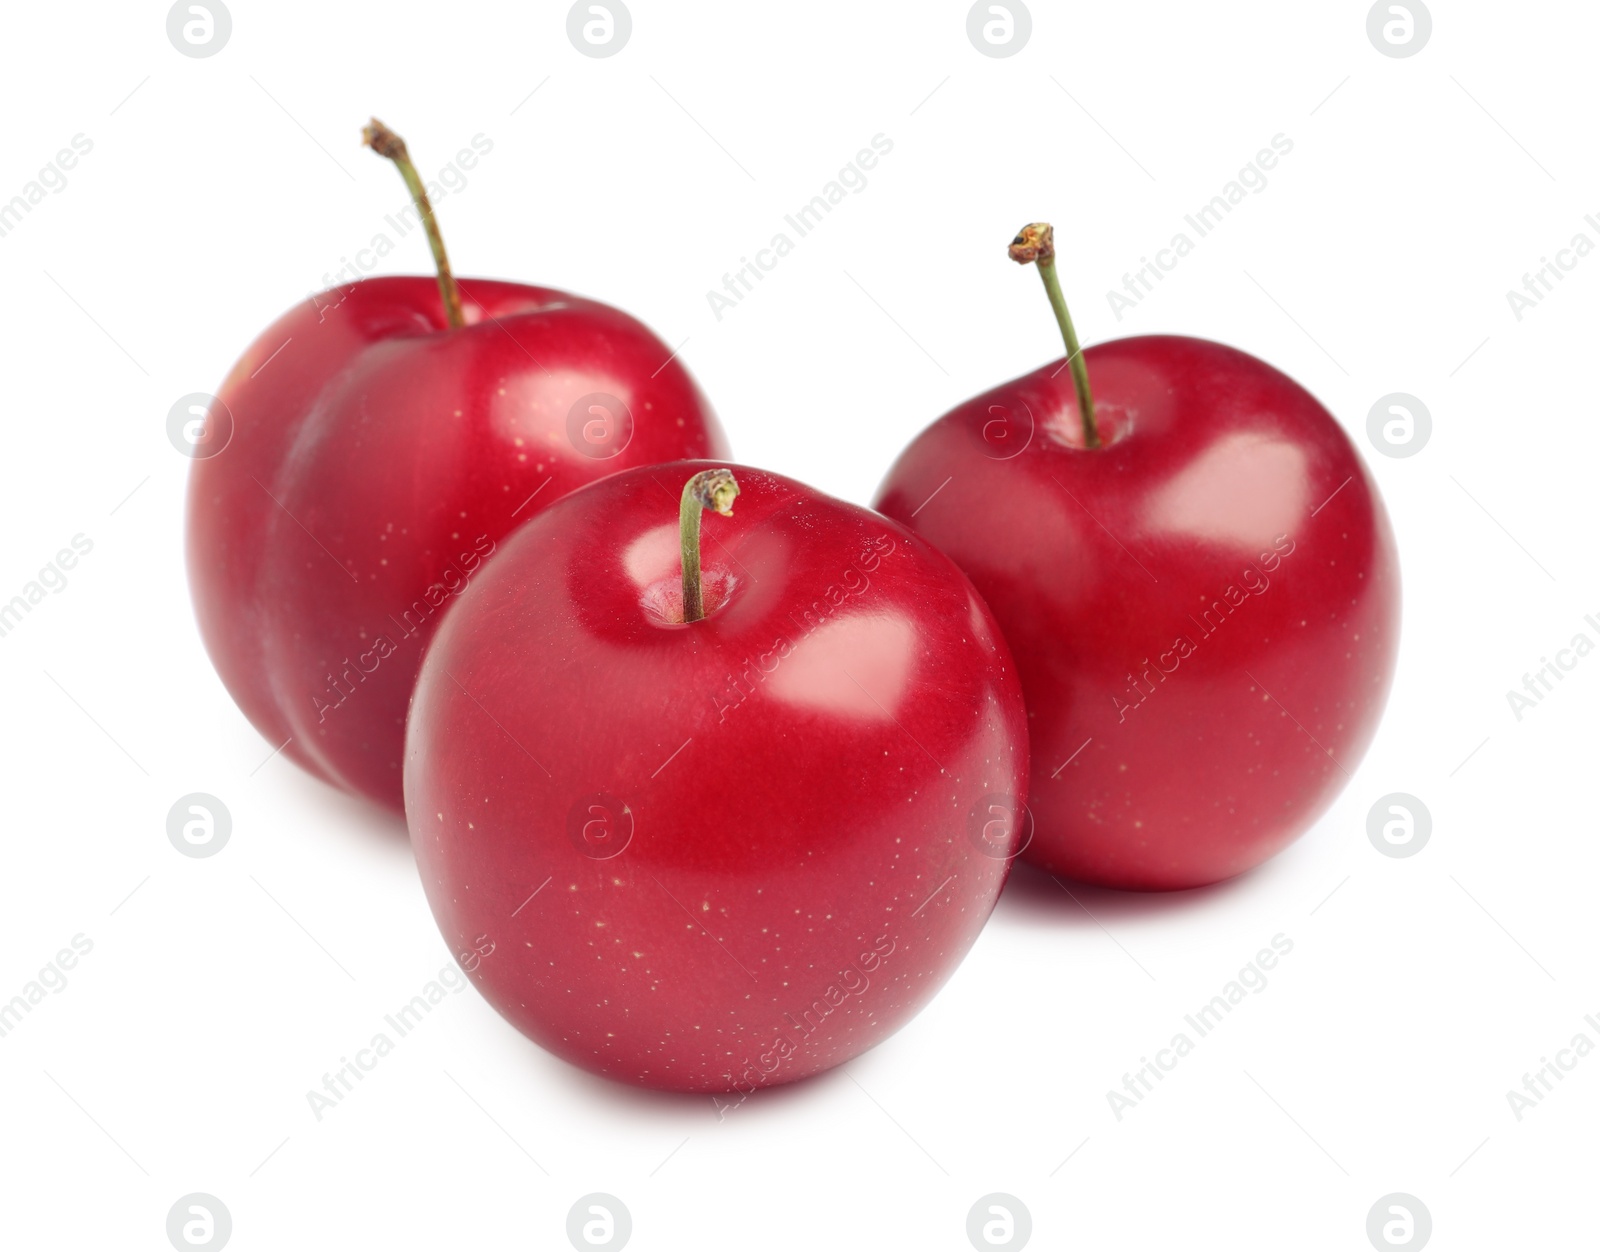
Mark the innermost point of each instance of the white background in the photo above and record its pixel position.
(1419, 991)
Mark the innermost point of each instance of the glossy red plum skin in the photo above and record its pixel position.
(726, 855)
(376, 459)
(1204, 612)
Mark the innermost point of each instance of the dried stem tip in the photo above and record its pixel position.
(383, 141)
(715, 490)
(1034, 242)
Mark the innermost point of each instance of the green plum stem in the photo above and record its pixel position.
(1035, 243)
(386, 143)
(709, 489)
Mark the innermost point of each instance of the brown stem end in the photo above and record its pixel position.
(1034, 242)
(383, 141)
(715, 490)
